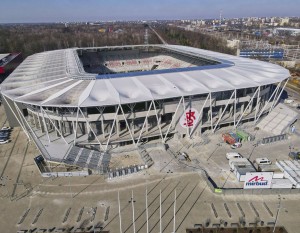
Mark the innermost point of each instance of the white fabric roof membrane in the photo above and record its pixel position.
(3, 55)
(57, 78)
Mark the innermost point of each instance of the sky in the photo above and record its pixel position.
(27, 11)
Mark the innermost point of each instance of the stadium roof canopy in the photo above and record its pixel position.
(3, 55)
(57, 78)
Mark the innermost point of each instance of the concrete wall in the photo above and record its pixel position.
(12, 120)
(101, 124)
(64, 174)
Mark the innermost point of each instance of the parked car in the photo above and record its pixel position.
(236, 145)
(262, 161)
(4, 141)
(186, 156)
(4, 134)
(233, 155)
(6, 128)
(288, 101)
(295, 155)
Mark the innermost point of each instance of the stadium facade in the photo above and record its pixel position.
(105, 97)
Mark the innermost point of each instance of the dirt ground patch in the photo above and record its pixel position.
(125, 159)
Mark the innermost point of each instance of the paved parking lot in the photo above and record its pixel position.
(212, 156)
(29, 201)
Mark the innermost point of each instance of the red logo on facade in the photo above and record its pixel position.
(256, 179)
(189, 118)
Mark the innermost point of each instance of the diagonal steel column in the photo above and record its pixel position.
(186, 122)
(277, 98)
(88, 124)
(16, 117)
(210, 106)
(110, 133)
(76, 125)
(158, 123)
(144, 122)
(54, 125)
(32, 131)
(37, 142)
(234, 108)
(39, 120)
(45, 125)
(128, 127)
(200, 113)
(24, 121)
(265, 105)
(34, 120)
(101, 117)
(248, 105)
(257, 103)
(172, 119)
(224, 110)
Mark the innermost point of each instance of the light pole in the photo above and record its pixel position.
(226, 177)
(92, 212)
(69, 176)
(277, 214)
(147, 213)
(291, 147)
(132, 205)
(174, 222)
(120, 218)
(3, 180)
(160, 228)
(254, 146)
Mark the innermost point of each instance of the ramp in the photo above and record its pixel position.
(278, 120)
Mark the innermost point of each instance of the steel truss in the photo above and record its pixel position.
(275, 100)
(175, 118)
(22, 126)
(248, 105)
(222, 114)
(56, 129)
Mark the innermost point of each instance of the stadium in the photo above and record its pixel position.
(89, 101)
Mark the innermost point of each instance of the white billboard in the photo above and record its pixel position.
(258, 180)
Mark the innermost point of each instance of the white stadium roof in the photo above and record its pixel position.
(3, 55)
(57, 78)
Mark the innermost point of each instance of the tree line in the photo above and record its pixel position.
(175, 35)
(34, 38)
(31, 39)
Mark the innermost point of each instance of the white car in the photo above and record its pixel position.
(263, 161)
(233, 155)
(4, 141)
(6, 128)
(288, 101)
(236, 145)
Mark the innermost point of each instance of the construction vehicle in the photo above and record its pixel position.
(235, 136)
(242, 135)
(228, 138)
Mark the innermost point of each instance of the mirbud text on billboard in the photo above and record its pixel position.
(256, 180)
